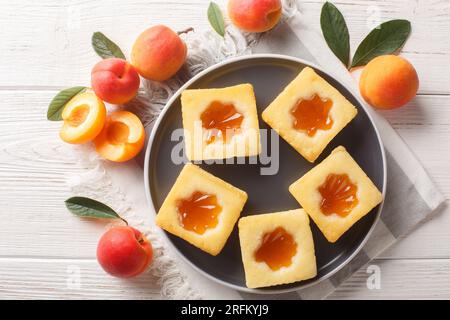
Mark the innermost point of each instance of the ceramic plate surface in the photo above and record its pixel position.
(268, 74)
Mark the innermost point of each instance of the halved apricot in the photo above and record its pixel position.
(122, 137)
(84, 116)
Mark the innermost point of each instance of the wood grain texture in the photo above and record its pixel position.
(83, 279)
(33, 168)
(400, 279)
(69, 279)
(426, 47)
(54, 36)
(46, 46)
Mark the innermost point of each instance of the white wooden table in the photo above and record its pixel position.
(45, 46)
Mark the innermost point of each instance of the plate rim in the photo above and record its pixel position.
(150, 144)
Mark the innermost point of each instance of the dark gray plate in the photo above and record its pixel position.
(269, 74)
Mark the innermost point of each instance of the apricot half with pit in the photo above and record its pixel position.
(84, 116)
(122, 137)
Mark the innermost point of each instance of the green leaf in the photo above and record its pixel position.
(89, 208)
(57, 104)
(335, 32)
(105, 48)
(387, 38)
(215, 18)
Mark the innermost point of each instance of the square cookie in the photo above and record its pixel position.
(277, 248)
(220, 123)
(201, 209)
(309, 113)
(336, 193)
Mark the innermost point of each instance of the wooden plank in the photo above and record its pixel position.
(34, 164)
(400, 279)
(54, 42)
(424, 125)
(58, 279)
(70, 279)
(427, 240)
(54, 39)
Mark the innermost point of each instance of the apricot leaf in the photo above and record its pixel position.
(105, 48)
(57, 104)
(335, 32)
(387, 38)
(215, 18)
(90, 208)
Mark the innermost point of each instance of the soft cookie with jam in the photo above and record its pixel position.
(201, 209)
(309, 113)
(336, 193)
(220, 123)
(277, 248)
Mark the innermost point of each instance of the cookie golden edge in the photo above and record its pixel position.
(230, 198)
(251, 230)
(196, 149)
(333, 227)
(289, 134)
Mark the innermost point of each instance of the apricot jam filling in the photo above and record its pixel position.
(276, 249)
(118, 132)
(221, 120)
(312, 115)
(338, 195)
(78, 115)
(199, 212)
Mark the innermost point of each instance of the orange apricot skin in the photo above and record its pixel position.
(255, 15)
(115, 80)
(388, 82)
(91, 127)
(158, 53)
(124, 252)
(124, 151)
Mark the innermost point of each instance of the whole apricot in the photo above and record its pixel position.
(124, 252)
(388, 82)
(84, 116)
(115, 80)
(255, 15)
(158, 53)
